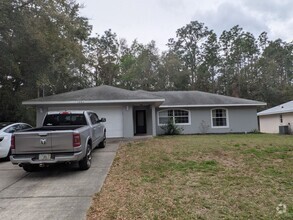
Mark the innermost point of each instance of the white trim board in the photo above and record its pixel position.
(91, 102)
(210, 105)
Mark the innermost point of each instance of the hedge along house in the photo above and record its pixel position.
(130, 113)
(274, 119)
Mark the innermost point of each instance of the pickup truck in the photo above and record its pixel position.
(65, 137)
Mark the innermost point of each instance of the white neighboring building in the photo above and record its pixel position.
(271, 119)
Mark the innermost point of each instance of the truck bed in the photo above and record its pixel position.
(46, 139)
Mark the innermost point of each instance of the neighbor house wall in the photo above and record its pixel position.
(271, 123)
(241, 120)
(288, 120)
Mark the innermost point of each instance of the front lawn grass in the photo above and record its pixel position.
(200, 177)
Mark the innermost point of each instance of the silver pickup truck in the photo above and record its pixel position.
(68, 136)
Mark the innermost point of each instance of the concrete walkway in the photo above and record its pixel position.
(61, 192)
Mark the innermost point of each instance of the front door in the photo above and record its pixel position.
(140, 122)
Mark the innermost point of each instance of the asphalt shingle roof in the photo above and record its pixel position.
(167, 98)
(99, 93)
(198, 98)
(283, 108)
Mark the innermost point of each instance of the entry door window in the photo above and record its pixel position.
(140, 122)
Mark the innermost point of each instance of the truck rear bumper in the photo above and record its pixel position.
(56, 158)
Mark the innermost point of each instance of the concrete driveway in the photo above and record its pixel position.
(61, 192)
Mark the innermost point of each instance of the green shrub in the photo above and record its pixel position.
(171, 128)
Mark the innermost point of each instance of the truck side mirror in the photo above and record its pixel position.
(103, 120)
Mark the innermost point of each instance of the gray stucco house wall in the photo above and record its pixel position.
(131, 113)
(241, 120)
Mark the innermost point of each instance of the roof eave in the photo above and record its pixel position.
(274, 113)
(211, 105)
(93, 102)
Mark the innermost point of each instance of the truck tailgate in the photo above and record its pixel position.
(62, 141)
(33, 142)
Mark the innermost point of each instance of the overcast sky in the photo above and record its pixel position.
(158, 20)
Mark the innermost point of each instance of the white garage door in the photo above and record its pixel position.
(113, 115)
(114, 120)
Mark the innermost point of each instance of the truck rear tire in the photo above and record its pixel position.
(30, 167)
(86, 162)
(103, 143)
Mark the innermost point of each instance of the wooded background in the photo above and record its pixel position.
(46, 48)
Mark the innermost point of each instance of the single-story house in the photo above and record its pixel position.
(130, 113)
(271, 119)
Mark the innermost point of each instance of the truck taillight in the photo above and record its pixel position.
(12, 145)
(76, 140)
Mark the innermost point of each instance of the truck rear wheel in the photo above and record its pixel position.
(86, 162)
(30, 167)
(103, 143)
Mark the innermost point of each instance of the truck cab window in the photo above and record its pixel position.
(94, 118)
(61, 120)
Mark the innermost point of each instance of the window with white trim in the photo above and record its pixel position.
(179, 116)
(220, 118)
